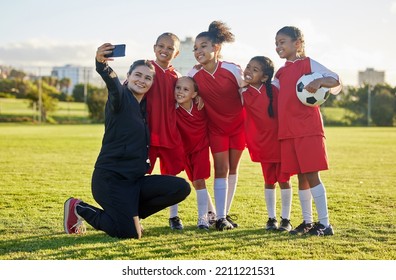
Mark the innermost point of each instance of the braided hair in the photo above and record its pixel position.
(267, 66)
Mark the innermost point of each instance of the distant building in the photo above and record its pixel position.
(76, 74)
(371, 77)
(185, 60)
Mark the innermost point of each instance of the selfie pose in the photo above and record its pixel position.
(119, 184)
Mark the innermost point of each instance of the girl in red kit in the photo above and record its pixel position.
(301, 131)
(219, 83)
(260, 100)
(165, 142)
(192, 124)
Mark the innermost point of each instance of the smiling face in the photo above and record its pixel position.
(166, 49)
(254, 74)
(204, 50)
(286, 47)
(140, 81)
(185, 91)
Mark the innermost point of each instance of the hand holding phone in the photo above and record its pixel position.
(118, 51)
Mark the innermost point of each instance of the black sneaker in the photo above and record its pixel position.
(320, 230)
(272, 224)
(211, 218)
(231, 219)
(301, 229)
(223, 224)
(175, 223)
(203, 223)
(285, 225)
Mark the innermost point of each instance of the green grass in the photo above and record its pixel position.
(18, 110)
(41, 166)
(335, 116)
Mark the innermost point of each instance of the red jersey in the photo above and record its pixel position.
(220, 93)
(193, 128)
(260, 129)
(295, 118)
(161, 110)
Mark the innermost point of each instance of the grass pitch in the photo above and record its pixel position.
(41, 166)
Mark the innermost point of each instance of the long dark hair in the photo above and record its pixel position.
(267, 66)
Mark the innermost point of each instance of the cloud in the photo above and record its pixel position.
(47, 54)
(393, 8)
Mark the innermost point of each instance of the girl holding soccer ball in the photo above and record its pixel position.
(301, 130)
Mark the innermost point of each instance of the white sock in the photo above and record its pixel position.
(319, 195)
(306, 205)
(220, 194)
(211, 207)
(232, 184)
(202, 201)
(174, 209)
(270, 201)
(286, 197)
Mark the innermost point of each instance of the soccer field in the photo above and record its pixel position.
(41, 166)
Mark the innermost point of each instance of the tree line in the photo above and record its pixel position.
(365, 105)
(45, 92)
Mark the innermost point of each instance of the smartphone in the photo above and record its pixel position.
(118, 51)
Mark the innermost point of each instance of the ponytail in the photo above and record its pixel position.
(218, 33)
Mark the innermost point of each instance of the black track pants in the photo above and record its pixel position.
(123, 199)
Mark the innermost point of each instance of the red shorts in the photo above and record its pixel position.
(220, 143)
(198, 165)
(304, 154)
(273, 174)
(171, 160)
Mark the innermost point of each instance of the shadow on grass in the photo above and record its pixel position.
(157, 243)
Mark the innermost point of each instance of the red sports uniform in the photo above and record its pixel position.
(220, 93)
(165, 140)
(262, 132)
(302, 124)
(194, 133)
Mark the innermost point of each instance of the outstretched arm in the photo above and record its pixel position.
(108, 75)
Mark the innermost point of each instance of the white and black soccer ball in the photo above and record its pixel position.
(307, 98)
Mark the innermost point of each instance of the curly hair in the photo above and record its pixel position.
(218, 33)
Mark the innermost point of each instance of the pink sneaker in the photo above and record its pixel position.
(72, 222)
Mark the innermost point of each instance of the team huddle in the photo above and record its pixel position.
(218, 109)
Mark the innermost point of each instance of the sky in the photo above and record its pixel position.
(346, 36)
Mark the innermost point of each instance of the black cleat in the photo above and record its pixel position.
(223, 224)
(175, 223)
(272, 224)
(302, 228)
